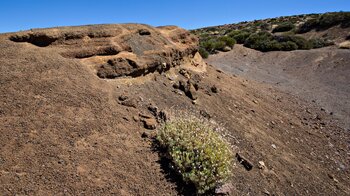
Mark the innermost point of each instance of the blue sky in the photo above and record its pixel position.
(18, 15)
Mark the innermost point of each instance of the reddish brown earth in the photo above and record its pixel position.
(74, 102)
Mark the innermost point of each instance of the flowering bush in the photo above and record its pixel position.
(198, 153)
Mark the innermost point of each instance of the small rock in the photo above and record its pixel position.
(244, 161)
(185, 73)
(273, 146)
(195, 84)
(123, 97)
(189, 90)
(225, 189)
(176, 85)
(214, 89)
(255, 101)
(261, 165)
(164, 65)
(136, 118)
(140, 98)
(130, 103)
(205, 114)
(226, 49)
(144, 32)
(179, 92)
(171, 78)
(145, 135)
(153, 109)
(149, 134)
(192, 92)
(266, 192)
(150, 123)
(145, 116)
(332, 177)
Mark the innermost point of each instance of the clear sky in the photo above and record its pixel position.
(18, 15)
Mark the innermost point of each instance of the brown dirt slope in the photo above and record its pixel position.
(74, 101)
(319, 75)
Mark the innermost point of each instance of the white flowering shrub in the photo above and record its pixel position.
(198, 153)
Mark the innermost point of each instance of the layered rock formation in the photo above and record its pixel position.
(118, 50)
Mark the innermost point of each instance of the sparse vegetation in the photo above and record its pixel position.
(228, 41)
(265, 41)
(302, 43)
(320, 43)
(308, 26)
(283, 27)
(286, 36)
(239, 36)
(198, 153)
(203, 52)
(262, 41)
(210, 45)
(325, 21)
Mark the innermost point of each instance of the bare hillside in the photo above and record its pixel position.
(321, 75)
(79, 106)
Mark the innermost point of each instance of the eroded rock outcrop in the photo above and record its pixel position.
(115, 51)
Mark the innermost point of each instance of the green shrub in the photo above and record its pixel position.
(302, 43)
(265, 26)
(262, 41)
(265, 41)
(218, 45)
(203, 52)
(283, 27)
(239, 36)
(288, 46)
(325, 21)
(331, 19)
(213, 44)
(319, 43)
(308, 25)
(210, 45)
(228, 41)
(198, 153)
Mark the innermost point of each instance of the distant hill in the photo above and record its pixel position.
(286, 33)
